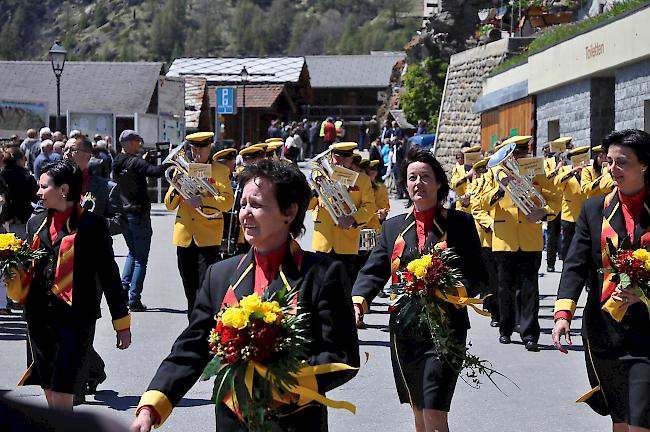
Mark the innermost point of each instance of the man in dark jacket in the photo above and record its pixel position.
(130, 172)
(22, 191)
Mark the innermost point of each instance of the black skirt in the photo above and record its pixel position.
(422, 378)
(59, 350)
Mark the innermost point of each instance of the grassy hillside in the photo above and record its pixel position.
(129, 30)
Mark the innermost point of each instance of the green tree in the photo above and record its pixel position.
(169, 30)
(422, 93)
(11, 36)
(101, 14)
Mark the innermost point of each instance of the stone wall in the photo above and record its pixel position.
(632, 90)
(571, 105)
(465, 76)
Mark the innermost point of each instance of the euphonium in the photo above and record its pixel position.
(186, 185)
(334, 196)
(520, 189)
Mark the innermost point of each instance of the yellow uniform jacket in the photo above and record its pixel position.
(190, 225)
(329, 237)
(512, 232)
(572, 196)
(458, 183)
(593, 185)
(381, 202)
(482, 218)
(550, 164)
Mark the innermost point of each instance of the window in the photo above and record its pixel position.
(553, 130)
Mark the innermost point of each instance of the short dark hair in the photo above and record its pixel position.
(636, 140)
(66, 172)
(86, 145)
(290, 187)
(12, 156)
(417, 155)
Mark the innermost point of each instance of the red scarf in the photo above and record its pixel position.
(63, 277)
(632, 206)
(424, 225)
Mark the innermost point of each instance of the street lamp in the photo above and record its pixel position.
(244, 78)
(57, 58)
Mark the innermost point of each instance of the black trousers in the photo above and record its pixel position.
(517, 274)
(193, 262)
(551, 245)
(350, 263)
(92, 370)
(568, 231)
(492, 302)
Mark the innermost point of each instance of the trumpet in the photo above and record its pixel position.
(186, 185)
(520, 189)
(334, 196)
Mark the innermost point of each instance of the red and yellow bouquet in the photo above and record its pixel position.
(429, 287)
(16, 256)
(628, 267)
(260, 348)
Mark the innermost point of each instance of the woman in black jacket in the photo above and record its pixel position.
(62, 304)
(273, 205)
(423, 379)
(22, 191)
(615, 323)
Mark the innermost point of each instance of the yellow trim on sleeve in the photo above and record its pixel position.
(122, 323)
(565, 305)
(159, 402)
(361, 301)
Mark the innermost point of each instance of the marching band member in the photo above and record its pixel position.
(461, 174)
(596, 179)
(567, 181)
(517, 246)
(196, 237)
(340, 239)
(227, 157)
(382, 202)
(272, 150)
(274, 201)
(553, 226)
(615, 322)
(483, 220)
(421, 377)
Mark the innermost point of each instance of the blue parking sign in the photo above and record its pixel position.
(226, 100)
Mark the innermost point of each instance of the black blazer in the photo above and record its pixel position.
(322, 284)
(583, 260)
(461, 236)
(93, 262)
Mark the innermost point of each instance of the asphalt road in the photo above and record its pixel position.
(548, 382)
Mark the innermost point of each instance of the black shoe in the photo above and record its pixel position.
(550, 269)
(532, 346)
(78, 400)
(382, 294)
(91, 385)
(137, 307)
(361, 325)
(494, 323)
(503, 339)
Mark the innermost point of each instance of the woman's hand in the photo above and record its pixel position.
(561, 327)
(123, 339)
(625, 295)
(143, 422)
(358, 314)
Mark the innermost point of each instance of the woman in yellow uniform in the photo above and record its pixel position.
(596, 179)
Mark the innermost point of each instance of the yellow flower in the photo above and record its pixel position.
(647, 265)
(641, 254)
(270, 317)
(235, 318)
(251, 303)
(9, 241)
(272, 306)
(420, 266)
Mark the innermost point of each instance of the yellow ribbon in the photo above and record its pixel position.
(462, 300)
(306, 375)
(618, 309)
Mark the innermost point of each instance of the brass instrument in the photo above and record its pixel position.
(185, 184)
(368, 240)
(333, 194)
(520, 189)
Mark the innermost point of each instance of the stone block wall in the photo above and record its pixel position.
(571, 105)
(465, 76)
(631, 92)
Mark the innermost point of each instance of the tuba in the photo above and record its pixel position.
(333, 194)
(520, 189)
(185, 184)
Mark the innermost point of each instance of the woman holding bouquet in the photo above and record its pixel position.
(616, 325)
(62, 304)
(423, 377)
(273, 205)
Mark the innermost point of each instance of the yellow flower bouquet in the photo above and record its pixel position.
(16, 256)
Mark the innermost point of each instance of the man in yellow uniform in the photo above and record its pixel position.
(197, 238)
(231, 227)
(462, 173)
(596, 179)
(567, 181)
(340, 239)
(517, 247)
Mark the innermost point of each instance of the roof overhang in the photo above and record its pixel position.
(501, 97)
